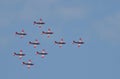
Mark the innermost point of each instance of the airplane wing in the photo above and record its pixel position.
(49, 30)
(28, 66)
(29, 61)
(60, 45)
(36, 41)
(42, 56)
(22, 31)
(43, 51)
(48, 36)
(21, 36)
(20, 57)
(40, 19)
(80, 40)
(62, 40)
(78, 45)
(21, 51)
(35, 46)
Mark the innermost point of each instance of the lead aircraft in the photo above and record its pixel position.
(39, 23)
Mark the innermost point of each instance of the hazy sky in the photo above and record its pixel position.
(96, 21)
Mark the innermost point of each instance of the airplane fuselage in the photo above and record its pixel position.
(28, 63)
(60, 42)
(77, 42)
(42, 53)
(47, 32)
(34, 43)
(19, 54)
(21, 33)
(38, 22)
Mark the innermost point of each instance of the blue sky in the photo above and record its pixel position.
(96, 21)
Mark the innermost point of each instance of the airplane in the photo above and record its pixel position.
(61, 42)
(22, 33)
(20, 54)
(42, 53)
(29, 63)
(47, 32)
(39, 23)
(79, 42)
(35, 43)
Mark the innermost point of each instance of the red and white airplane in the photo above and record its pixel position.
(39, 23)
(61, 42)
(49, 32)
(20, 54)
(42, 53)
(22, 33)
(79, 42)
(29, 63)
(35, 43)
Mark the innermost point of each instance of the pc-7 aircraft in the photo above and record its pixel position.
(22, 33)
(35, 43)
(48, 33)
(39, 23)
(78, 42)
(20, 54)
(42, 53)
(29, 63)
(61, 42)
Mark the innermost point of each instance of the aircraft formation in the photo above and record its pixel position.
(35, 43)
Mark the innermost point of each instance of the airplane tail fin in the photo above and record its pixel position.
(34, 22)
(55, 42)
(30, 42)
(14, 54)
(73, 42)
(23, 62)
(16, 32)
(37, 53)
(43, 32)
